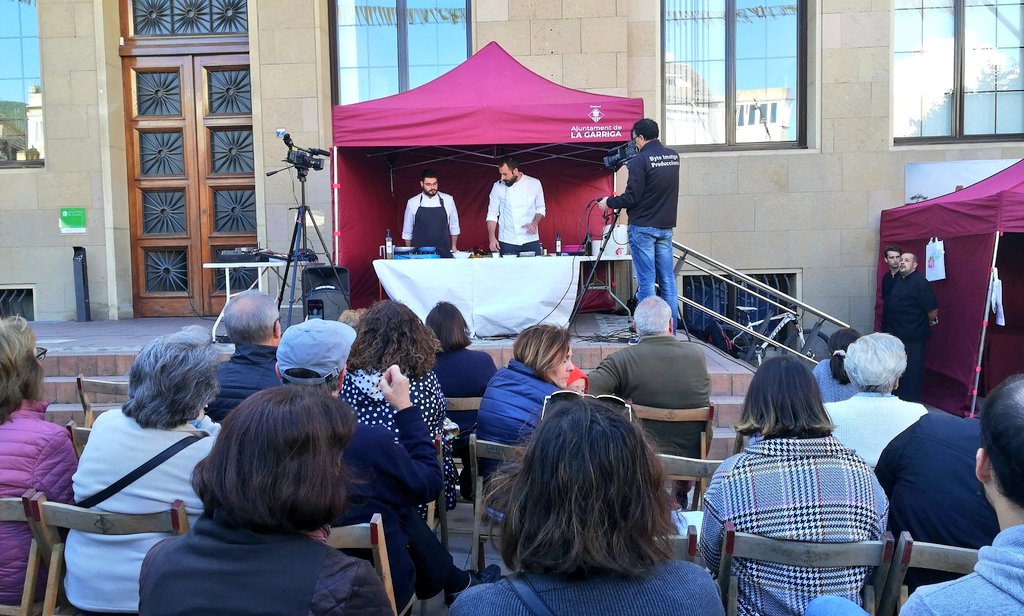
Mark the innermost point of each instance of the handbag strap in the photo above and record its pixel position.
(528, 595)
(131, 477)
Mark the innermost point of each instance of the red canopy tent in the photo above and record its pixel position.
(459, 125)
(981, 227)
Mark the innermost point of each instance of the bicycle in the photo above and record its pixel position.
(786, 331)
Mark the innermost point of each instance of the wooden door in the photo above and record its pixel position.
(190, 176)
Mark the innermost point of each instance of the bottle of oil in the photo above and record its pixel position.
(558, 244)
(389, 246)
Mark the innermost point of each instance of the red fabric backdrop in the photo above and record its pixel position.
(967, 221)
(459, 125)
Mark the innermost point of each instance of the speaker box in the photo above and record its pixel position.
(320, 284)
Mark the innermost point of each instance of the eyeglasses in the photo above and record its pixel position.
(40, 353)
(568, 394)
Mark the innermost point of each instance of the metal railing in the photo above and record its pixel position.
(777, 300)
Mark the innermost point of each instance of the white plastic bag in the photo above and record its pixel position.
(935, 260)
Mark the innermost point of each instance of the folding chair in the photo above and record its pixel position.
(680, 468)
(877, 554)
(705, 414)
(14, 510)
(79, 436)
(369, 536)
(50, 518)
(88, 386)
(921, 555)
(487, 450)
(464, 404)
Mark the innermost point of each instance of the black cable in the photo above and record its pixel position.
(582, 222)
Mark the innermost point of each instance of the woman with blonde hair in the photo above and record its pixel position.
(34, 453)
(511, 405)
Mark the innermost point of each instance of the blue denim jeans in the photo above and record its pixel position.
(651, 249)
(827, 605)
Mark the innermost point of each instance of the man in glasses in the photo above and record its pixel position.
(661, 372)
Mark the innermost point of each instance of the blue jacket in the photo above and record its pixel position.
(250, 369)
(511, 406)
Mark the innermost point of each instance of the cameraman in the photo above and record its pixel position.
(651, 198)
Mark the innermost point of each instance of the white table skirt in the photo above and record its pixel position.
(496, 296)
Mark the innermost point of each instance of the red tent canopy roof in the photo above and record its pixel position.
(993, 204)
(488, 99)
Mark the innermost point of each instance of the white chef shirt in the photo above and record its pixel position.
(514, 206)
(421, 200)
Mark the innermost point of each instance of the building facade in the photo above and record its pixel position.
(795, 120)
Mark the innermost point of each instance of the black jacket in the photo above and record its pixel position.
(250, 369)
(221, 569)
(652, 191)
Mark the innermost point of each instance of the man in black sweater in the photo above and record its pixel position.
(391, 478)
(912, 311)
(651, 199)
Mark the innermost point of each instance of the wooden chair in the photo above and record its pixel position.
(52, 519)
(464, 404)
(79, 436)
(369, 536)
(88, 386)
(437, 510)
(679, 468)
(684, 547)
(16, 510)
(705, 414)
(877, 554)
(921, 555)
(486, 450)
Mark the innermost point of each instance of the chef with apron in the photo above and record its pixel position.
(431, 219)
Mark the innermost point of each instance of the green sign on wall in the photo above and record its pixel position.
(72, 220)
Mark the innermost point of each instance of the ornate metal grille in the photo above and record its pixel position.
(161, 154)
(163, 212)
(234, 211)
(231, 151)
(189, 17)
(230, 92)
(166, 271)
(158, 93)
(241, 278)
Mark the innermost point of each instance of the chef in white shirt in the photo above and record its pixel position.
(515, 210)
(431, 218)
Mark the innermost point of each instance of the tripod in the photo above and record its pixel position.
(593, 271)
(299, 244)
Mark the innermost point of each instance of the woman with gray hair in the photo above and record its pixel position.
(169, 385)
(868, 421)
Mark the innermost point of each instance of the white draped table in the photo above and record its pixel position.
(497, 296)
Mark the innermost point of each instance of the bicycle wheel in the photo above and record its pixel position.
(817, 347)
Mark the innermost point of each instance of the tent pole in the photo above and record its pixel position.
(984, 326)
(336, 189)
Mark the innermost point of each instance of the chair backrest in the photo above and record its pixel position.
(49, 518)
(88, 386)
(684, 547)
(464, 404)
(437, 509)
(487, 450)
(680, 468)
(921, 555)
(79, 436)
(367, 536)
(704, 414)
(16, 509)
(877, 554)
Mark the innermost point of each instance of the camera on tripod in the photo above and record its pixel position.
(304, 160)
(620, 155)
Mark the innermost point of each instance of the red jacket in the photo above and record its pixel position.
(34, 453)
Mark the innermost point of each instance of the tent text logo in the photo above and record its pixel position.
(595, 113)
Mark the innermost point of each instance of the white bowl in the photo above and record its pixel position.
(461, 255)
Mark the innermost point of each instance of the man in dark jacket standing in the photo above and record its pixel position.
(254, 325)
(651, 199)
(911, 311)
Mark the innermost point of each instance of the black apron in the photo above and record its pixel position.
(430, 228)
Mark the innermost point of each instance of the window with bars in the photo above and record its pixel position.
(735, 73)
(957, 70)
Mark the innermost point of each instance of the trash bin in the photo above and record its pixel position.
(81, 268)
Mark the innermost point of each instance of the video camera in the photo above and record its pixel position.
(620, 155)
(302, 158)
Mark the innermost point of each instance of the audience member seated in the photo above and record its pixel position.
(540, 365)
(586, 524)
(831, 375)
(388, 478)
(254, 326)
(928, 473)
(874, 416)
(997, 584)
(34, 453)
(171, 381)
(253, 550)
(578, 381)
(798, 483)
(462, 373)
(391, 334)
(662, 372)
